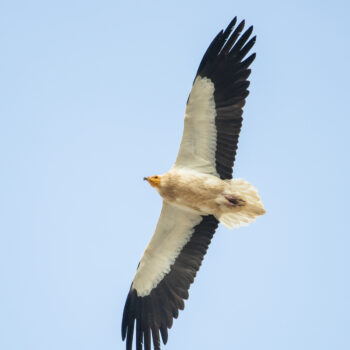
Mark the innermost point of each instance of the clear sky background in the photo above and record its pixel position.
(92, 97)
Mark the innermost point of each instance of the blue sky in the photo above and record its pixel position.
(92, 100)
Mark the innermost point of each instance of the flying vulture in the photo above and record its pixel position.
(198, 191)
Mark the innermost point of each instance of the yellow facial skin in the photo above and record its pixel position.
(154, 180)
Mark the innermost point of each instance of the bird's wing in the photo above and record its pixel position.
(213, 116)
(163, 277)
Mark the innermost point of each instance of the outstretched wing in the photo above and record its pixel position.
(213, 116)
(163, 277)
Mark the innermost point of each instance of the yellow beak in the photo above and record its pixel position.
(153, 181)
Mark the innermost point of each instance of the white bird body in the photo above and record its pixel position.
(233, 202)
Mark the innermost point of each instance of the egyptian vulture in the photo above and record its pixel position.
(198, 191)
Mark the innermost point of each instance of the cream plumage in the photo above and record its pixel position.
(198, 191)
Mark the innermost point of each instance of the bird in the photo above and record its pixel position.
(198, 192)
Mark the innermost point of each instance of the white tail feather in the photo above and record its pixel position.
(235, 216)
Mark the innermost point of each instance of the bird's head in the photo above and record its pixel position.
(154, 180)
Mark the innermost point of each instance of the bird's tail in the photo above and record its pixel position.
(243, 204)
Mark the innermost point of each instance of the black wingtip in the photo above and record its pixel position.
(125, 318)
(229, 28)
(233, 22)
(164, 334)
(250, 30)
(156, 339)
(231, 39)
(248, 61)
(241, 25)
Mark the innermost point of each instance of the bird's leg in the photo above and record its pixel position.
(234, 201)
